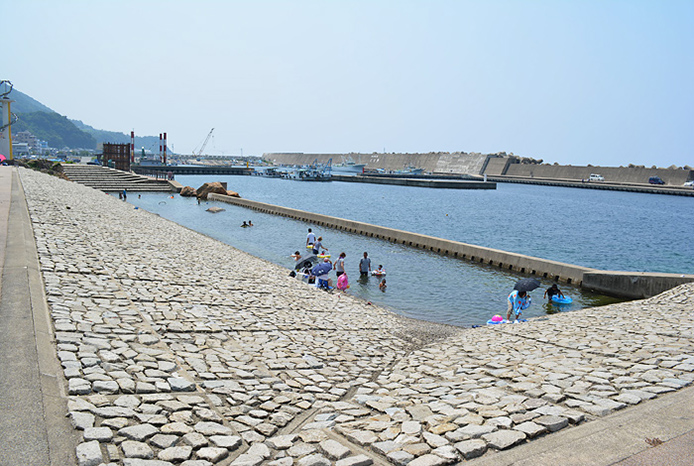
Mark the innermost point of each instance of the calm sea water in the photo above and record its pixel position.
(601, 229)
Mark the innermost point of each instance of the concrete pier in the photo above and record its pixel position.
(620, 284)
(417, 182)
(175, 348)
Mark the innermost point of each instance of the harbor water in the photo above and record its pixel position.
(600, 229)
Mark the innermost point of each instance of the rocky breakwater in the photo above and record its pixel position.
(238, 364)
(207, 188)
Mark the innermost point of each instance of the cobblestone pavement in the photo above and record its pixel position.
(178, 349)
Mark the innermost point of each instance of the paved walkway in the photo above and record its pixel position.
(33, 427)
(178, 349)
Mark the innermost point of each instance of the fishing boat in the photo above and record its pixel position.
(313, 172)
(272, 173)
(348, 165)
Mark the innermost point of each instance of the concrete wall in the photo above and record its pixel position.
(490, 164)
(417, 182)
(620, 284)
(443, 162)
(675, 177)
(541, 268)
(470, 164)
(635, 285)
(496, 166)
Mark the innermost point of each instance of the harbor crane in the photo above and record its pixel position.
(202, 148)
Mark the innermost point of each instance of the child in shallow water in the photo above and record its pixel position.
(382, 285)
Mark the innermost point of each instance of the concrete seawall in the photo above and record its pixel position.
(620, 284)
(416, 182)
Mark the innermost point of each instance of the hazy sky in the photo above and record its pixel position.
(575, 82)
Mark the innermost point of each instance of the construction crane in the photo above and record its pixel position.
(202, 148)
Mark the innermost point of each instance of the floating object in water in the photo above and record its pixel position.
(556, 299)
(323, 256)
(378, 273)
(215, 210)
(162, 202)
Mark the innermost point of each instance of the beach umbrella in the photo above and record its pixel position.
(322, 269)
(527, 284)
(306, 263)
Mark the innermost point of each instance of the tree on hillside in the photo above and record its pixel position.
(56, 129)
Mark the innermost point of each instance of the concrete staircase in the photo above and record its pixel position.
(112, 180)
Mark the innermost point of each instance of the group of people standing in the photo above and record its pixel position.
(317, 247)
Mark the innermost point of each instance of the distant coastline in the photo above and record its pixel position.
(501, 166)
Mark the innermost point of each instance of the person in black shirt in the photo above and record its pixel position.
(552, 291)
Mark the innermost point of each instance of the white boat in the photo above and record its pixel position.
(348, 165)
(313, 172)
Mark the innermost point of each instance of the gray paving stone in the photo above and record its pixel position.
(400, 457)
(314, 460)
(134, 449)
(138, 432)
(428, 460)
(281, 442)
(145, 462)
(503, 439)
(212, 428)
(471, 448)
(552, 423)
(358, 460)
(81, 420)
(89, 454)
(212, 454)
(247, 460)
(175, 454)
(230, 442)
(164, 441)
(100, 434)
(259, 449)
(334, 449)
(531, 429)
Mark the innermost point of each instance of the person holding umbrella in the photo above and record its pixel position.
(518, 299)
(321, 272)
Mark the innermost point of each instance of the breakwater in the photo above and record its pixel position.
(416, 182)
(629, 284)
(163, 170)
(606, 186)
(508, 167)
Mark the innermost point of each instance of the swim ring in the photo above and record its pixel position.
(556, 299)
(378, 274)
(322, 256)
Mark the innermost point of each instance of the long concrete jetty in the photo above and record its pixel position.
(631, 285)
(174, 348)
(417, 182)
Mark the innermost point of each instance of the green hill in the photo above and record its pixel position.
(25, 104)
(60, 132)
(56, 129)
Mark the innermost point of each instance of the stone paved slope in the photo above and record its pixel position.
(178, 349)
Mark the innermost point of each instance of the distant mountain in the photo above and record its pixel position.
(56, 129)
(148, 142)
(59, 131)
(25, 104)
